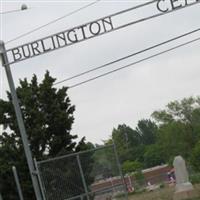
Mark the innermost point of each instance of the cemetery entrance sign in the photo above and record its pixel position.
(89, 30)
(62, 39)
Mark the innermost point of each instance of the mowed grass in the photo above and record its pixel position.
(160, 194)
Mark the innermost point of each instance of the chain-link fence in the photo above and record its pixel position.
(134, 183)
(89, 175)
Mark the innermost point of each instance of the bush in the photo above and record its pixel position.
(131, 166)
(195, 178)
(195, 157)
(139, 178)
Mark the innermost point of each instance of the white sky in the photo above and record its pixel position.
(122, 97)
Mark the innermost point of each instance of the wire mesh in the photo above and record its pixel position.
(148, 183)
(87, 175)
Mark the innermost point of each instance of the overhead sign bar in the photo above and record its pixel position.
(89, 30)
(62, 39)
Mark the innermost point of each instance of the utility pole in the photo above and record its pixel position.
(4, 58)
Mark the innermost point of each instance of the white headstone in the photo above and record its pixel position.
(182, 178)
(180, 170)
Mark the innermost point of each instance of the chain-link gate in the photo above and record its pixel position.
(88, 175)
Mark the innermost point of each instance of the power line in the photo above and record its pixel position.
(114, 29)
(23, 7)
(128, 56)
(51, 22)
(69, 14)
(47, 24)
(10, 11)
(134, 63)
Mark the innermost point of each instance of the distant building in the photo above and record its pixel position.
(154, 175)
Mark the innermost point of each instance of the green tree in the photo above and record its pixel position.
(179, 126)
(105, 164)
(127, 141)
(178, 110)
(195, 157)
(131, 143)
(131, 166)
(48, 117)
(154, 155)
(173, 138)
(147, 131)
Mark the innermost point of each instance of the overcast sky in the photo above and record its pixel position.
(122, 97)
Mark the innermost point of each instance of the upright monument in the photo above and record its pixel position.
(183, 189)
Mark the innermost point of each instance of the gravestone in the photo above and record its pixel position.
(183, 189)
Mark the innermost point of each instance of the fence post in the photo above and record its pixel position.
(82, 176)
(1, 198)
(19, 190)
(120, 170)
(20, 121)
(39, 178)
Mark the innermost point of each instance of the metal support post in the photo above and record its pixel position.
(19, 190)
(39, 179)
(120, 171)
(82, 176)
(20, 121)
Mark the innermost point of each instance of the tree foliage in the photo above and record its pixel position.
(131, 166)
(124, 138)
(179, 127)
(174, 131)
(48, 118)
(131, 143)
(147, 131)
(195, 157)
(154, 155)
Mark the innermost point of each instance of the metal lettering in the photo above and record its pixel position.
(98, 28)
(53, 42)
(186, 2)
(75, 39)
(86, 31)
(16, 52)
(83, 31)
(27, 50)
(35, 49)
(44, 48)
(159, 7)
(175, 6)
(109, 22)
(61, 38)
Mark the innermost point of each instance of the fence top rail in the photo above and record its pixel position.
(75, 154)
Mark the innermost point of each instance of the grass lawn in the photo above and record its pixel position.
(160, 194)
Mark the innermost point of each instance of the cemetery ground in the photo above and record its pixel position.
(165, 193)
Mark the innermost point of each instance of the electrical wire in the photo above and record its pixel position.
(10, 11)
(128, 56)
(134, 63)
(117, 28)
(51, 22)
